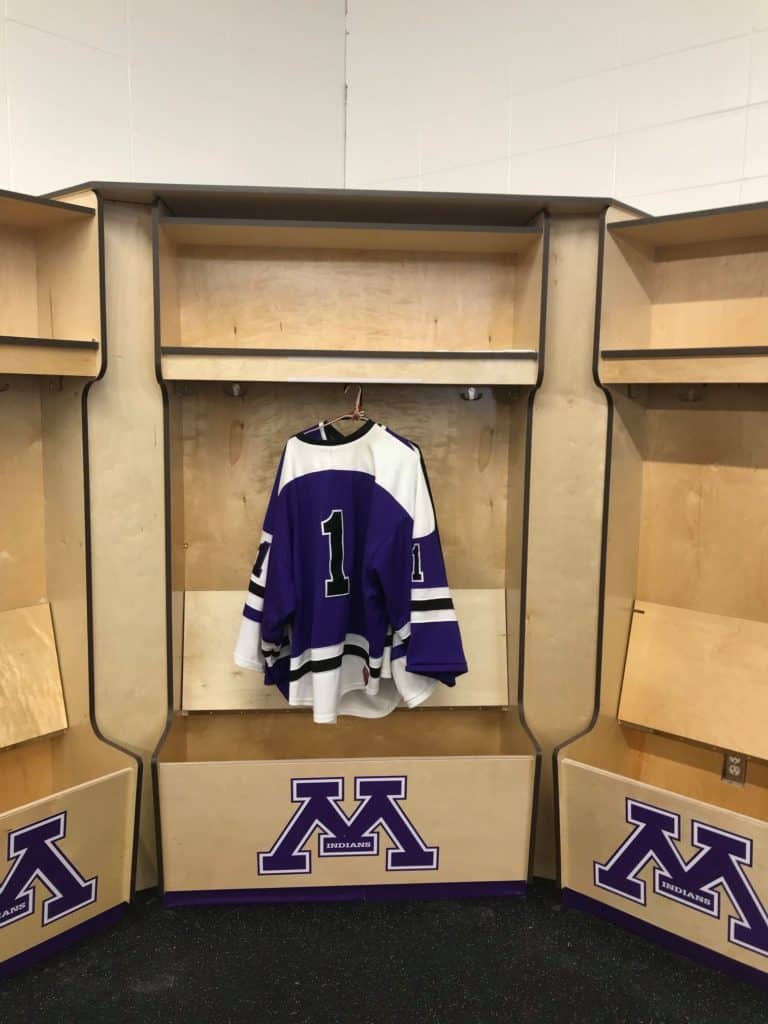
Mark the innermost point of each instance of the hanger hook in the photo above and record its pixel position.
(358, 401)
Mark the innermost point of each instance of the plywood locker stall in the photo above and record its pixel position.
(67, 798)
(259, 323)
(664, 801)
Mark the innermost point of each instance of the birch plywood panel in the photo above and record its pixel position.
(22, 528)
(625, 314)
(68, 283)
(276, 736)
(567, 456)
(211, 681)
(702, 677)
(698, 906)
(65, 539)
(711, 301)
(360, 367)
(18, 282)
(705, 491)
(231, 449)
(382, 237)
(622, 543)
(684, 369)
(97, 820)
(331, 299)
(31, 697)
(453, 803)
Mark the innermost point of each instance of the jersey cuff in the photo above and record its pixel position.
(249, 663)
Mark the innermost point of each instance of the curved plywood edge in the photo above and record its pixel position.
(699, 676)
(31, 696)
(405, 369)
(211, 681)
(564, 551)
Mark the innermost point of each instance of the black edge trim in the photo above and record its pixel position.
(685, 353)
(88, 553)
(264, 191)
(603, 547)
(187, 350)
(7, 339)
(168, 569)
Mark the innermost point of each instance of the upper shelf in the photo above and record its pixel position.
(684, 300)
(382, 237)
(734, 225)
(339, 300)
(50, 286)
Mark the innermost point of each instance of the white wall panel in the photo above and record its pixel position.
(478, 137)
(100, 24)
(754, 190)
(756, 152)
(648, 28)
(68, 111)
(485, 177)
(639, 99)
(684, 85)
(663, 99)
(584, 168)
(758, 82)
(5, 168)
(703, 197)
(565, 113)
(685, 153)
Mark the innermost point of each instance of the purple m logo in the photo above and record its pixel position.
(379, 806)
(36, 857)
(718, 864)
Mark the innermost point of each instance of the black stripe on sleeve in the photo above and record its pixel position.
(432, 605)
(256, 588)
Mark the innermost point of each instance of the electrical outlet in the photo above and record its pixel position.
(735, 769)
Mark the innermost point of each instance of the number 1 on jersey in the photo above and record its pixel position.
(417, 576)
(333, 527)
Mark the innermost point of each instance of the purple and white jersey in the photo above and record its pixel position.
(348, 609)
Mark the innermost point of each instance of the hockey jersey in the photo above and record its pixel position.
(348, 608)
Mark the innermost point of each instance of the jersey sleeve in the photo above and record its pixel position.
(270, 600)
(426, 640)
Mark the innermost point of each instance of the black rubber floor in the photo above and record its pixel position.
(478, 962)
